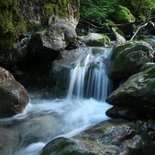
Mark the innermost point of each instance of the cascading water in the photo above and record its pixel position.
(89, 77)
(84, 106)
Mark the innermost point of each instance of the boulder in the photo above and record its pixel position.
(112, 137)
(57, 36)
(127, 59)
(13, 96)
(95, 39)
(138, 92)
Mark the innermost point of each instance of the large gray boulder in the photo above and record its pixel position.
(57, 36)
(127, 59)
(13, 96)
(138, 92)
(113, 137)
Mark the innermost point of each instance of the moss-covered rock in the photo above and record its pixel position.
(127, 59)
(95, 39)
(137, 93)
(107, 138)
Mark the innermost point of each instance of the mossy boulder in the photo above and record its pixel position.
(137, 93)
(13, 96)
(110, 137)
(95, 39)
(63, 146)
(128, 58)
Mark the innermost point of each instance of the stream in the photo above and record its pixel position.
(43, 120)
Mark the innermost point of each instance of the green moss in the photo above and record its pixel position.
(7, 28)
(6, 22)
(56, 7)
(48, 9)
(123, 14)
(5, 4)
(105, 39)
(12, 23)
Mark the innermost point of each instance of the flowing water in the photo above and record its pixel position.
(84, 106)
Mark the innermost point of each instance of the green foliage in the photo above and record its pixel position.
(105, 39)
(97, 10)
(12, 23)
(5, 4)
(48, 9)
(6, 22)
(107, 9)
(141, 9)
(55, 7)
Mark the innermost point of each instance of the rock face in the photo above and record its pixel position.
(137, 93)
(13, 96)
(18, 19)
(114, 137)
(127, 59)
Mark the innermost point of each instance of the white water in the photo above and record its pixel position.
(89, 77)
(84, 106)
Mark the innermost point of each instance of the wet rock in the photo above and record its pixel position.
(121, 112)
(114, 137)
(127, 59)
(13, 96)
(138, 92)
(63, 146)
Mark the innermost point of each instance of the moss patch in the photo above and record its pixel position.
(123, 14)
(56, 7)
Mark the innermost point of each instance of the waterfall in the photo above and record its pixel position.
(88, 78)
(85, 105)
